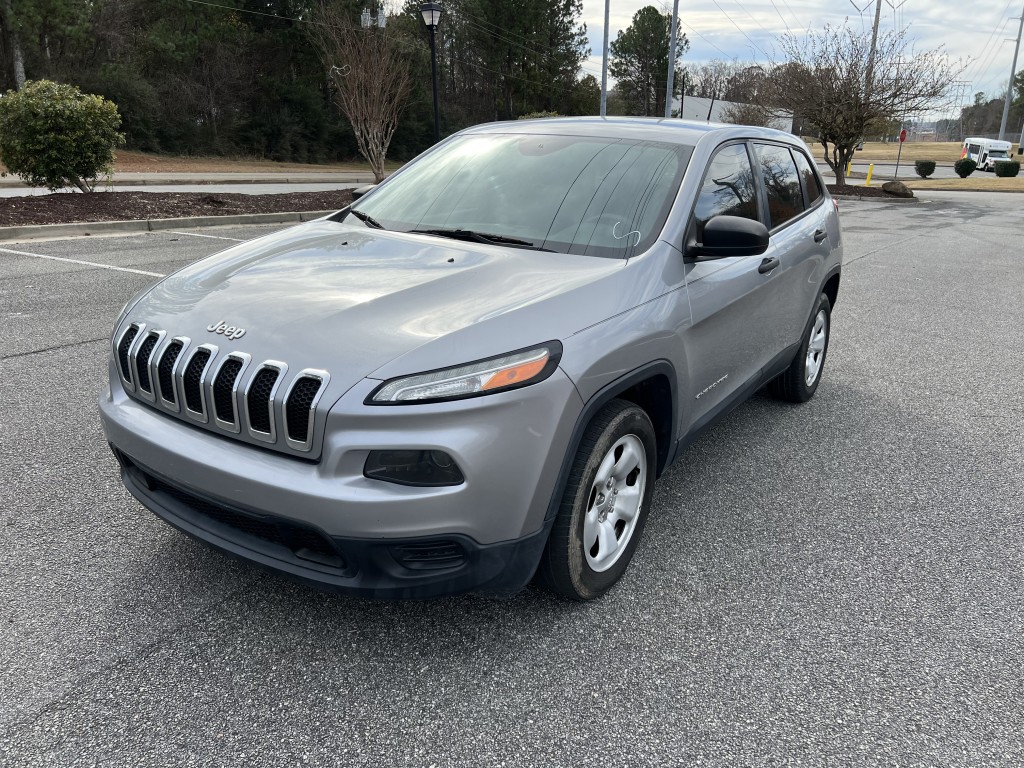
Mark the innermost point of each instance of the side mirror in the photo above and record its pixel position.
(360, 191)
(732, 236)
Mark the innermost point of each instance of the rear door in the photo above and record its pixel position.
(800, 238)
(731, 299)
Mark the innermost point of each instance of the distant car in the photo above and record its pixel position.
(860, 145)
(475, 373)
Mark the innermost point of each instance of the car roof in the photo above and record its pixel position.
(671, 130)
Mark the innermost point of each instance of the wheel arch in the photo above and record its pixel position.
(831, 287)
(653, 388)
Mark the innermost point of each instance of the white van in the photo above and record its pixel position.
(986, 152)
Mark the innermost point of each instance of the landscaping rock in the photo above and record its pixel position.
(897, 189)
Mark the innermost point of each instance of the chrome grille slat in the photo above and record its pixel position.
(141, 363)
(223, 390)
(123, 351)
(165, 372)
(300, 407)
(192, 379)
(261, 398)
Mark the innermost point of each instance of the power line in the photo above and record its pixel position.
(510, 41)
(784, 22)
(544, 87)
(740, 30)
(795, 15)
(988, 43)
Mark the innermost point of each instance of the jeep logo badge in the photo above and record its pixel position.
(231, 331)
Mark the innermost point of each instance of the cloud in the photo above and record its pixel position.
(747, 30)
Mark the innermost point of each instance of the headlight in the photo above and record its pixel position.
(485, 377)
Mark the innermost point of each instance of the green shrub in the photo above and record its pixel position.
(965, 167)
(535, 115)
(52, 135)
(1008, 169)
(924, 168)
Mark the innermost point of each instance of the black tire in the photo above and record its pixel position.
(565, 568)
(792, 384)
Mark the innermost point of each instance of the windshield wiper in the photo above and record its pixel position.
(480, 237)
(366, 218)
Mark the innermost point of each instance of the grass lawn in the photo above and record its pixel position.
(976, 182)
(944, 152)
(140, 162)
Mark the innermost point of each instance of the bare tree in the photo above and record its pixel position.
(725, 80)
(827, 82)
(746, 113)
(371, 76)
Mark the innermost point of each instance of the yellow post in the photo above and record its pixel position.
(849, 167)
(871, 170)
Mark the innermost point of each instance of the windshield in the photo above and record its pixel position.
(593, 196)
(997, 153)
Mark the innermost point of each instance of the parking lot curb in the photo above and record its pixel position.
(36, 231)
(875, 199)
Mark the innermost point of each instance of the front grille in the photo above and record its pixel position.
(304, 542)
(122, 351)
(142, 361)
(223, 390)
(429, 555)
(259, 399)
(193, 380)
(166, 373)
(297, 409)
(166, 368)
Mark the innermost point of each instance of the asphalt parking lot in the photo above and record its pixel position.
(832, 584)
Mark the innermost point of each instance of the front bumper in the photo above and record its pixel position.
(377, 539)
(374, 568)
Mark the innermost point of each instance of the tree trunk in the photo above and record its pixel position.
(17, 58)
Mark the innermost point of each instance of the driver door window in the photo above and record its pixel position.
(728, 188)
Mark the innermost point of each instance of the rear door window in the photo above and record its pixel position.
(811, 186)
(785, 199)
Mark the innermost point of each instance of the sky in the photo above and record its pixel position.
(746, 29)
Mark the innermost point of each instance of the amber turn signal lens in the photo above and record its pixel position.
(516, 374)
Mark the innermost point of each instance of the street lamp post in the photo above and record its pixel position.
(431, 13)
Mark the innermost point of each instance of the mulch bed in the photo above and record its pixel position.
(852, 191)
(67, 207)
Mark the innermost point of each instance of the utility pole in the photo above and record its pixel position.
(1009, 88)
(670, 84)
(874, 45)
(604, 62)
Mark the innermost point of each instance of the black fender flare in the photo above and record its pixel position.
(604, 395)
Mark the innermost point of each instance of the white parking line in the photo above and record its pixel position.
(212, 237)
(86, 263)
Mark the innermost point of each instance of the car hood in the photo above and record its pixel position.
(348, 299)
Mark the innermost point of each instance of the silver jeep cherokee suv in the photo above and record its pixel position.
(475, 373)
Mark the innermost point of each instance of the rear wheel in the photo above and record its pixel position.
(800, 381)
(604, 506)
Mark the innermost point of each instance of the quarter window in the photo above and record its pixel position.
(781, 182)
(810, 178)
(728, 188)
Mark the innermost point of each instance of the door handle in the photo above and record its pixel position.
(820, 235)
(767, 265)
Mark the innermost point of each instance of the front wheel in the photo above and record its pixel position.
(800, 381)
(604, 506)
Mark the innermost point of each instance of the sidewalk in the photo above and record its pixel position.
(174, 178)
